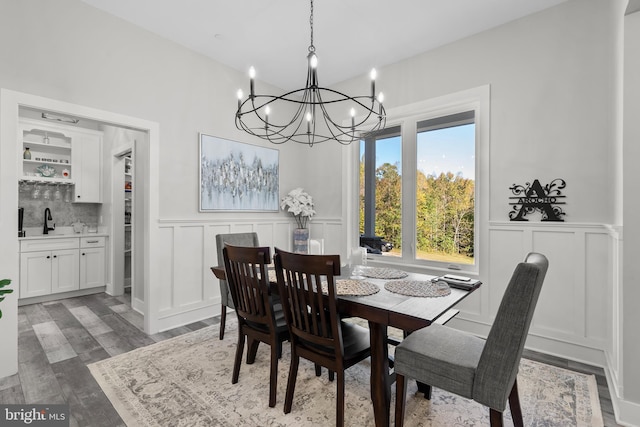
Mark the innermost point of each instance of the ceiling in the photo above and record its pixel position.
(350, 36)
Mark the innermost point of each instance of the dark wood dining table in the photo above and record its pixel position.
(382, 310)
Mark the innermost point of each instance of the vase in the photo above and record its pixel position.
(301, 240)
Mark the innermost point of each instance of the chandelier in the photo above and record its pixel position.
(311, 123)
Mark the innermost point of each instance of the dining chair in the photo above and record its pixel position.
(238, 239)
(316, 330)
(469, 366)
(259, 320)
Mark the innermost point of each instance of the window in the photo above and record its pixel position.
(419, 181)
(445, 189)
(380, 192)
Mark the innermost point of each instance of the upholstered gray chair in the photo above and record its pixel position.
(236, 239)
(469, 366)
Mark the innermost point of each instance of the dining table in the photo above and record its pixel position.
(384, 309)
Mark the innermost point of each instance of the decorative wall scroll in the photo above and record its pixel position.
(533, 197)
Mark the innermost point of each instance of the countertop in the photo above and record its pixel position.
(62, 236)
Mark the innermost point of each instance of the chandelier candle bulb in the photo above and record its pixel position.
(240, 95)
(373, 82)
(252, 75)
(353, 119)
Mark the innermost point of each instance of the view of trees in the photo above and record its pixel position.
(445, 213)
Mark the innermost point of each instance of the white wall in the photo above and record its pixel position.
(629, 385)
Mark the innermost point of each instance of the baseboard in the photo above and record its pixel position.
(61, 295)
(138, 305)
(187, 316)
(626, 413)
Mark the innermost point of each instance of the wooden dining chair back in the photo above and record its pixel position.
(258, 319)
(316, 330)
(237, 239)
(464, 364)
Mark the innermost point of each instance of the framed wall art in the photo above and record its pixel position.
(237, 177)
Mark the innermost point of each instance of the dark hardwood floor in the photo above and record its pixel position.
(58, 339)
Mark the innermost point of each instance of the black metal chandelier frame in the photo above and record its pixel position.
(311, 123)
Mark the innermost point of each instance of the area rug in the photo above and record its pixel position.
(186, 381)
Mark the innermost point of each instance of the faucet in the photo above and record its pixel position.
(47, 216)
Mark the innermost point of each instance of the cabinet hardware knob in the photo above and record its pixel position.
(48, 257)
(55, 256)
(82, 253)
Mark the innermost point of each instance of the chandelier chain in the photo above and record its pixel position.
(311, 46)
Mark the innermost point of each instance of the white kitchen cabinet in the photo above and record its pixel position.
(48, 266)
(61, 154)
(86, 156)
(92, 262)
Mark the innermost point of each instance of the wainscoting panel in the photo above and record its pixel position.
(189, 291)
(573, 315)
(560, 309)
(189, 265)
(164, 292)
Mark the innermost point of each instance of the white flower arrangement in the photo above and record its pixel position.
(300, 204)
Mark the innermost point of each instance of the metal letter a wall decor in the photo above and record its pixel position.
(533, 197)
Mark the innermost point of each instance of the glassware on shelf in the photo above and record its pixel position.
(58, 194)
(35, 194)
(27, 154)
(46, 195)
(67, 194)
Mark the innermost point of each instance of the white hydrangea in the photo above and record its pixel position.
(300, 204)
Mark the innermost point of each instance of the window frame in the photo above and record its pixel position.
(407, 118)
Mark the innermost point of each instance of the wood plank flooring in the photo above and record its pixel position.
(58, 339)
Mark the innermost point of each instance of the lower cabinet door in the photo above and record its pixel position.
(64, 271)
(35, 274)
(92, 268)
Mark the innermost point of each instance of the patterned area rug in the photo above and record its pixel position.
(186, 381)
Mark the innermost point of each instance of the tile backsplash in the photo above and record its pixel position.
(64, 214)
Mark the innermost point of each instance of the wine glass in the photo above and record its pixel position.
(35, 194)
(47, 193)
(58, 194)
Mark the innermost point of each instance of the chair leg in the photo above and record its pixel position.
(340, 399)
(252, 350)
(496, 418)
(401, 391)
(273, 377)
(291, 383)
(514, 405)
(223, 318)
(318, 370)
(238, 360)
(331, 375)
(424, 388)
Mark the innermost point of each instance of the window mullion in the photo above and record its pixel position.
(409, 165)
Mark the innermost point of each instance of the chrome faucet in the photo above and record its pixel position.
(47, 216)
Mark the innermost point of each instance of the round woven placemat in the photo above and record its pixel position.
(382, 273)
(347, 287)
(418, 288)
